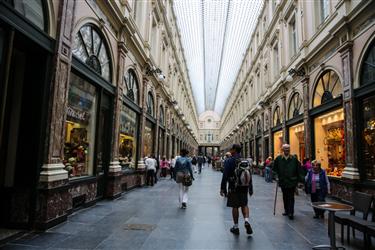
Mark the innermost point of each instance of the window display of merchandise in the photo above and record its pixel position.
(277, 143)
(128, 135)
(297, 141)
(330, 142)
(148, 139)
(368, 137)
(80, 128)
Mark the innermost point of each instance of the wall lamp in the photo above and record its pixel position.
(150, 70)
(298, 72)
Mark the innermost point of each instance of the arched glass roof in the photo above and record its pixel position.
(215, 35)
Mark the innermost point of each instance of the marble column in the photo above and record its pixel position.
(115, 172)
(351, 167)
(54, 199)
(284, 110)
(306, 117)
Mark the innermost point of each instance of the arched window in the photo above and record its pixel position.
(259, 127)
(131, 86)
(91, 48)
(368, 67)
(33, 10)
(328, 88)
(277, 117)
(150, 104)
(295, 106)
(161, 116)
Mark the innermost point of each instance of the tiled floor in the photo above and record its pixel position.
(149, 218)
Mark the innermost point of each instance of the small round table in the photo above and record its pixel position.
(332, 208)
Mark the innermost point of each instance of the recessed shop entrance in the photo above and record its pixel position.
(24, 69)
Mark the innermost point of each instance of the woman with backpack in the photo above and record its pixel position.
(183, 175)
(318, 186)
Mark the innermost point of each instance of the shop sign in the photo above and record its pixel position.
(77, 114)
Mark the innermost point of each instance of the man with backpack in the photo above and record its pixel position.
(237, 174)
(201, 161)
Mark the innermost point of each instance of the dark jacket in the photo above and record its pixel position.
(183, 164)
(230, 165)
(288, 170)
(201, 160)
(322, 182)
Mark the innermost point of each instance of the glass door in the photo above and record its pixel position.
(103, 142)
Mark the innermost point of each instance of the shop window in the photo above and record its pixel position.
(328, 88)
(295, 106)
(277, 143)
(150, 104)
(148, 138)
(161, 116)
(368, 67)
(277, 117)
(297, 141)
(90, 48)
(330, 141)
(131, 86)
(80, 127)
(32, 10)
(128, 137)
(368, 137)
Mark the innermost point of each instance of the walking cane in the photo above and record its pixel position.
(274, 204)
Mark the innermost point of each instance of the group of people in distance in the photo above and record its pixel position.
(289, 173)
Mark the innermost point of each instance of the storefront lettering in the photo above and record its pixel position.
(76, 114)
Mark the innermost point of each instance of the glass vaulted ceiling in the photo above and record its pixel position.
(215, 35)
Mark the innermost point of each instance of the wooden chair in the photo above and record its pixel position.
(361, 203)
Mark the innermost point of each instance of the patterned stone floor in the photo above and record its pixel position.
(149, 218)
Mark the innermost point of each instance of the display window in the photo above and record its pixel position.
(80, 127)
(330, 141)
(128, 137)
(277, 143)
(259, 150)
(148, 139)
(161, 143)
(368, 137)
(297, 141)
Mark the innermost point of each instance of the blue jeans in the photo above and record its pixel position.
(268, 174)
(318, 196)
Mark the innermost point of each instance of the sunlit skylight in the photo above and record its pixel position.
(215, 35)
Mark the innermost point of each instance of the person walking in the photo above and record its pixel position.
(239, 185)
(172, 164)
(150, 168)
(164, 165)
(157, 165)
(194, 162)
(318, 186)
(268, 169)
(201, 161)
(183, 169)
(288, 170)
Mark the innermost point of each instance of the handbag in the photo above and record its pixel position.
(187, 180)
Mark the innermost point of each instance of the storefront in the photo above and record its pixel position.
(89, 115)
(365, 95)
(161, 141)
(277, 133)
(149, 131)
(295, 127)
(259, 146)
(129, 122)
(26, 56)
(328, 124)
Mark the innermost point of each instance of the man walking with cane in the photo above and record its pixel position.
(288, 170)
